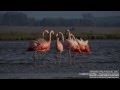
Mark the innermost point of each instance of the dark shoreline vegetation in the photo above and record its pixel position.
(19, 26)
(31, 33)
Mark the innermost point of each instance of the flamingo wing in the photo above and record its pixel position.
(43, 46)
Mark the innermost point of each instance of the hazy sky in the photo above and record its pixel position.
(66, 14)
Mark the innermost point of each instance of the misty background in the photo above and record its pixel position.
(60, 18)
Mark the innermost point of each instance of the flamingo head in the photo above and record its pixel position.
(52, 32)
(87, 49)
(62, 36)
(35, 43)
(81, 39)
(67, 30)
(46, 31)
(60, 33)
(57, 36)
(67, 33)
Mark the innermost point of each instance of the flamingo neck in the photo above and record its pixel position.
(43, 34)
(69, 35)
(57, 39)
(73, 37)
(62, 36)
(50, 37)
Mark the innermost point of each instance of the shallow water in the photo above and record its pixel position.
(15, 59)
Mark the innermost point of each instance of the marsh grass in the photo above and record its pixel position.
(30, 33)
(33, 35)
(19, 35)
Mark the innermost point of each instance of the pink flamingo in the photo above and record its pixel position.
(59, 45)
(71, 45)
(84, 46)
(42, 45)
(77, 47)
(34, 43)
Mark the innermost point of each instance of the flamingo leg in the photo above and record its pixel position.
(69, 56)
(56, 57)
(60, 58)
(75, 54)
(39, 55)
(44, 53)
(43, 57)
(44, 63)
(35, 53)
(75, 57)
(83, 55)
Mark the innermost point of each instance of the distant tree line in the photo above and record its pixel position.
(88, 19)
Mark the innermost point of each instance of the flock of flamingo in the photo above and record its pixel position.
(72, 44)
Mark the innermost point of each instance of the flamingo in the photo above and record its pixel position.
(42, 45)
(40, 40)
(33, 43)
(45, 45)
(59, 45)
(84, 46)
(77, 48)
(67, 44)
(71, 45)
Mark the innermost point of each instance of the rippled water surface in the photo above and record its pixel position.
(15, 59)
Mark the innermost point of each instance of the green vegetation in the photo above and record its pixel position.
(88, 35)
(34, 35)
(30, 33)
(18, 35)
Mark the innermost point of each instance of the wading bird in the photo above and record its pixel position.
(71, 45)
(33, 43)
(84, 46)
(42, 45)
(77, 47)
(59, 45)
